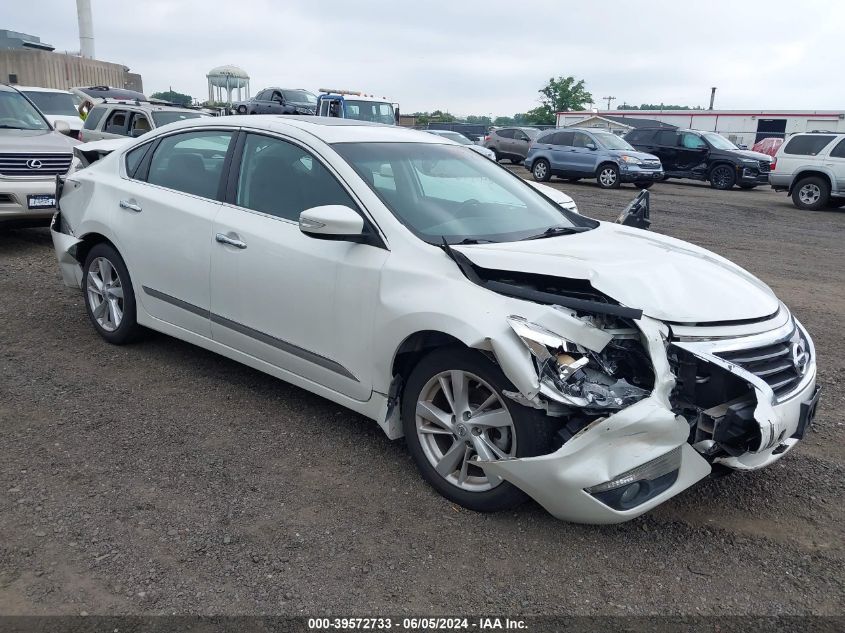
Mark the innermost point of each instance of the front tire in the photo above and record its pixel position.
(608, 176)
(453, 411)
(541, 171)
(241, 109)
(109, 296)
(811, 193)
(722, 177)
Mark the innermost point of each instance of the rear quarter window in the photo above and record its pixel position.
(94, 117)
(839, 150)
(808, 145)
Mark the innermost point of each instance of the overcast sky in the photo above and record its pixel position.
(473, 56)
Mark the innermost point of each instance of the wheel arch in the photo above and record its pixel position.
(416, 345)
(721, 162)
(89, 241)
(607, 161)
(810, 173)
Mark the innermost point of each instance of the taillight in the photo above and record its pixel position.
(773, 164)
(487, 138)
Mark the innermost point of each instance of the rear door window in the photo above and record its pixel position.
(667, 138)
(505, 133)
(839, 150)
(117, 123)
(191, 162)
(567, 139)
(94, 117)
(808, 145)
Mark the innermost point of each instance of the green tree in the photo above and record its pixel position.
(173, 97)
(560, 95)
(482, 120)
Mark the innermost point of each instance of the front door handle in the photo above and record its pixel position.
(132, 206)
(231, 241)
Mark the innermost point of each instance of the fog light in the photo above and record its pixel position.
(638, 485)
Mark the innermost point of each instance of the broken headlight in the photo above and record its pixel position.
(616, 377)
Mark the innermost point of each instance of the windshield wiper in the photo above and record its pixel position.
(14, 127)
(476, 240)
(553, 231)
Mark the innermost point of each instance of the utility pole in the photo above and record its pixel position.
(608, 99)
(712, 96)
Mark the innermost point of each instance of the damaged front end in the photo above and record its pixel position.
(642, 408)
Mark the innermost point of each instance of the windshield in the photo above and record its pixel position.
(60, 103)
(718, 141)
(443, 191)
(375, 111)
(611, 141)
(455, 136)
(16, 113)
(300, 96)
(163, 118)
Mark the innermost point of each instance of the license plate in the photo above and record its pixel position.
(41, 201)
(807, 414)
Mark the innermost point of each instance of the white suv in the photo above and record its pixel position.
(811, 167)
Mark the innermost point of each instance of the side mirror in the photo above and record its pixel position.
(333, 222)
(637, 213)
(61, 127)
(591, 146)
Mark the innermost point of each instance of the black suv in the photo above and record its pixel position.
(280, 101)
(703, 156)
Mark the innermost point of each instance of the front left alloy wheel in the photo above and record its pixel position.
(541, 170)
(454, 415)
(608, 176)
(109, 297)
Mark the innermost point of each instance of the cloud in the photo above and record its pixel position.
(472, 56)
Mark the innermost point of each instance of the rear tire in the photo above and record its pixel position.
(541, 171)
(811, 194)
(109, 296)
(444, 451)
(242, 109)
(722, 177)
(608, 176)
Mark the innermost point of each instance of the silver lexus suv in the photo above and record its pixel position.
(32, 154)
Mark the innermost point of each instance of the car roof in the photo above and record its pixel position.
(146, 106)
(39, 89)
(328, 129)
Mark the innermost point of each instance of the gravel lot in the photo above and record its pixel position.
(161, 478)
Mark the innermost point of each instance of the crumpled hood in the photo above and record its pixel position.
(20, 141)
(667, 279)
(747, 153)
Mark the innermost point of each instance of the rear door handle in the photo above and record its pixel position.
(132, 206)
(231, 241)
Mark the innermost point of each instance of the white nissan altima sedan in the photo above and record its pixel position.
(521, 349)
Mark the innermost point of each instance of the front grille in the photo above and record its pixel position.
(773, 363)
(764, 166)
(34, 164)
(651, 164)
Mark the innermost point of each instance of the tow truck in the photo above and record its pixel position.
(348, 104)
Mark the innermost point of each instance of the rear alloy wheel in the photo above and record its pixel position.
(242, 109)
(454, 414)
(811, 193)
(541, 170)
(722, 177)
(109, 297)
(608, 176)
